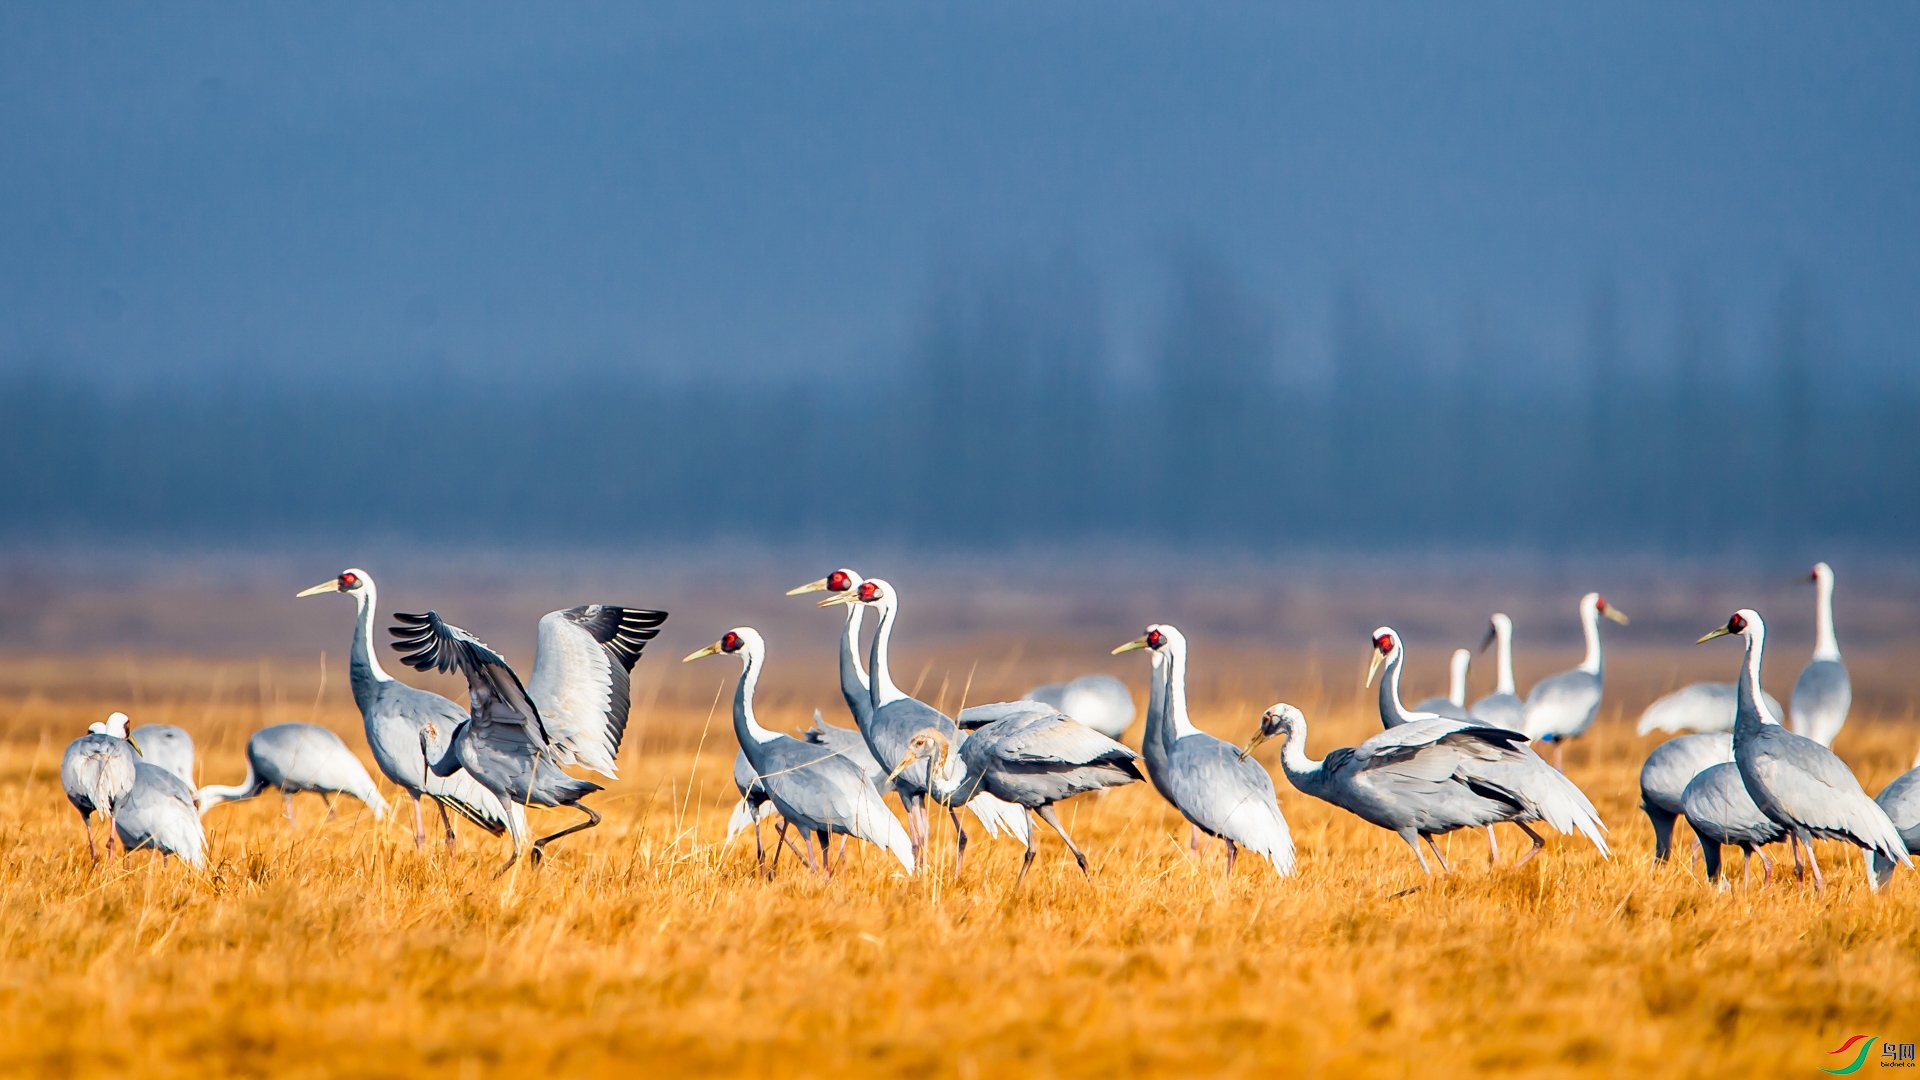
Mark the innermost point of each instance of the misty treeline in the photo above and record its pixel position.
(1002, 422)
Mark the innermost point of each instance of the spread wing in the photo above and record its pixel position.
(430, 643)
(581, 679)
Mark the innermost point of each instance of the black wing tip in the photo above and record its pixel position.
(623, 631)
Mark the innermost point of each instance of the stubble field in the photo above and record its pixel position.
(649, 947)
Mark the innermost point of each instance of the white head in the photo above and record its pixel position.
(353, 581)
(875, 591)
(1282, 722)
(1594, 604)
(1821, 574)
(840, 581)
(1386, 647)
(116, 725)
(1161, 638)
(1498, 626)
(742, 641)
(1745, 623)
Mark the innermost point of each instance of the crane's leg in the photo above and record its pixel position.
(1819, 883)
(1193, 839)
(86, 822)
(1233, 849)
(1766, 869)
(788, 839)
(1047, 815)
(291, 822)
(1559, 754)
(840, 859)
(1532, 851)
(447, 820)
(419, 826)
(959, 840)
(826, 856)
(1026, 860)
(1493, 848)
(806, 849)
(1444, 868)
(516, 834)
(593, 818)
(1413, 841)
(328, 797)
(916, 823)
(760, 851)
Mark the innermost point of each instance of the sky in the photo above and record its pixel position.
(346, 191)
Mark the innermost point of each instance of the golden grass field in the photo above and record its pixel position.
(647, 947)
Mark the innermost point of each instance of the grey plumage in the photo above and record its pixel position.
(1099, 701)
(395, 715)
(158, 814)
(1028, 760)
(1720, 811)
(1901, 802)
(97, 774)
(1562, 706)
(1823, 693)
(1452, 705)
(1701, 706)
(167, 746)
(1665, 776)
(504, 743)
(1503, 707)
(1795, 781)
(896, 718)
(816, 790)
(293, 758)
(1216, 788)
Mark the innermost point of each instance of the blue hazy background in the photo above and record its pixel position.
(1379, 276)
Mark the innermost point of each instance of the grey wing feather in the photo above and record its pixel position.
(976, 716)
(430, 643)
(1674, 763)
(846, 742)
(582, 679)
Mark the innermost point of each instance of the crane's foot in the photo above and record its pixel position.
(1025, 861)
(1532, 851)
(506, 866)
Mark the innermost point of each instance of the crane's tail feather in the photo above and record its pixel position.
(996, 814)
(743, 818)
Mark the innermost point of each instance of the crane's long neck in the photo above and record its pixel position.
(1590, 624)
(1747, 716)
(1304, 772)
(363, 666)
(1392, 713)
(854, 685)
(745, 727)
(1156, 732)
(1503, 643)
(880, 676)
(1457, 678)
(1176, 695)
(947, 774)
(214, 794)
(1825, 645)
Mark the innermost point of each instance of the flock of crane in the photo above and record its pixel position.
(1738, 776)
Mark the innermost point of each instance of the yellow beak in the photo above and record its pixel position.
(325, 586)
(1258, 738)
(811, 586)
(710, 650)
(136, 746)
(1616, 615)
(1718, 631)
(1374, 668)
(1136, 643)
(902, 767)
(839, 598)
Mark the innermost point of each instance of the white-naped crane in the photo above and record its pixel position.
(1214, 786)
(1701, 706)
(1901, 801)
(1028, 760)
(97, 773)
(395, 714)
(1796, 781)
(1721, 812)
(516, 737)
(816, 790)
(1562, 706)
(896, 718)
(1429, 777)
(292, 758)
(1453, 704)
(1539, 788)
(1503, 707)
(1823, 693)
(1664, 777)
(167, 746)
(159, 815)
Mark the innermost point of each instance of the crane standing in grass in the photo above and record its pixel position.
(295, 758)
(97, 772)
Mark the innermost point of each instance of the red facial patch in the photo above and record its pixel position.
(730, 643)
(1737, 624)
(1600, 604)
(869, 592)
(838, 581)
(1384, 643)
(349, 580)
(1155, 639)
